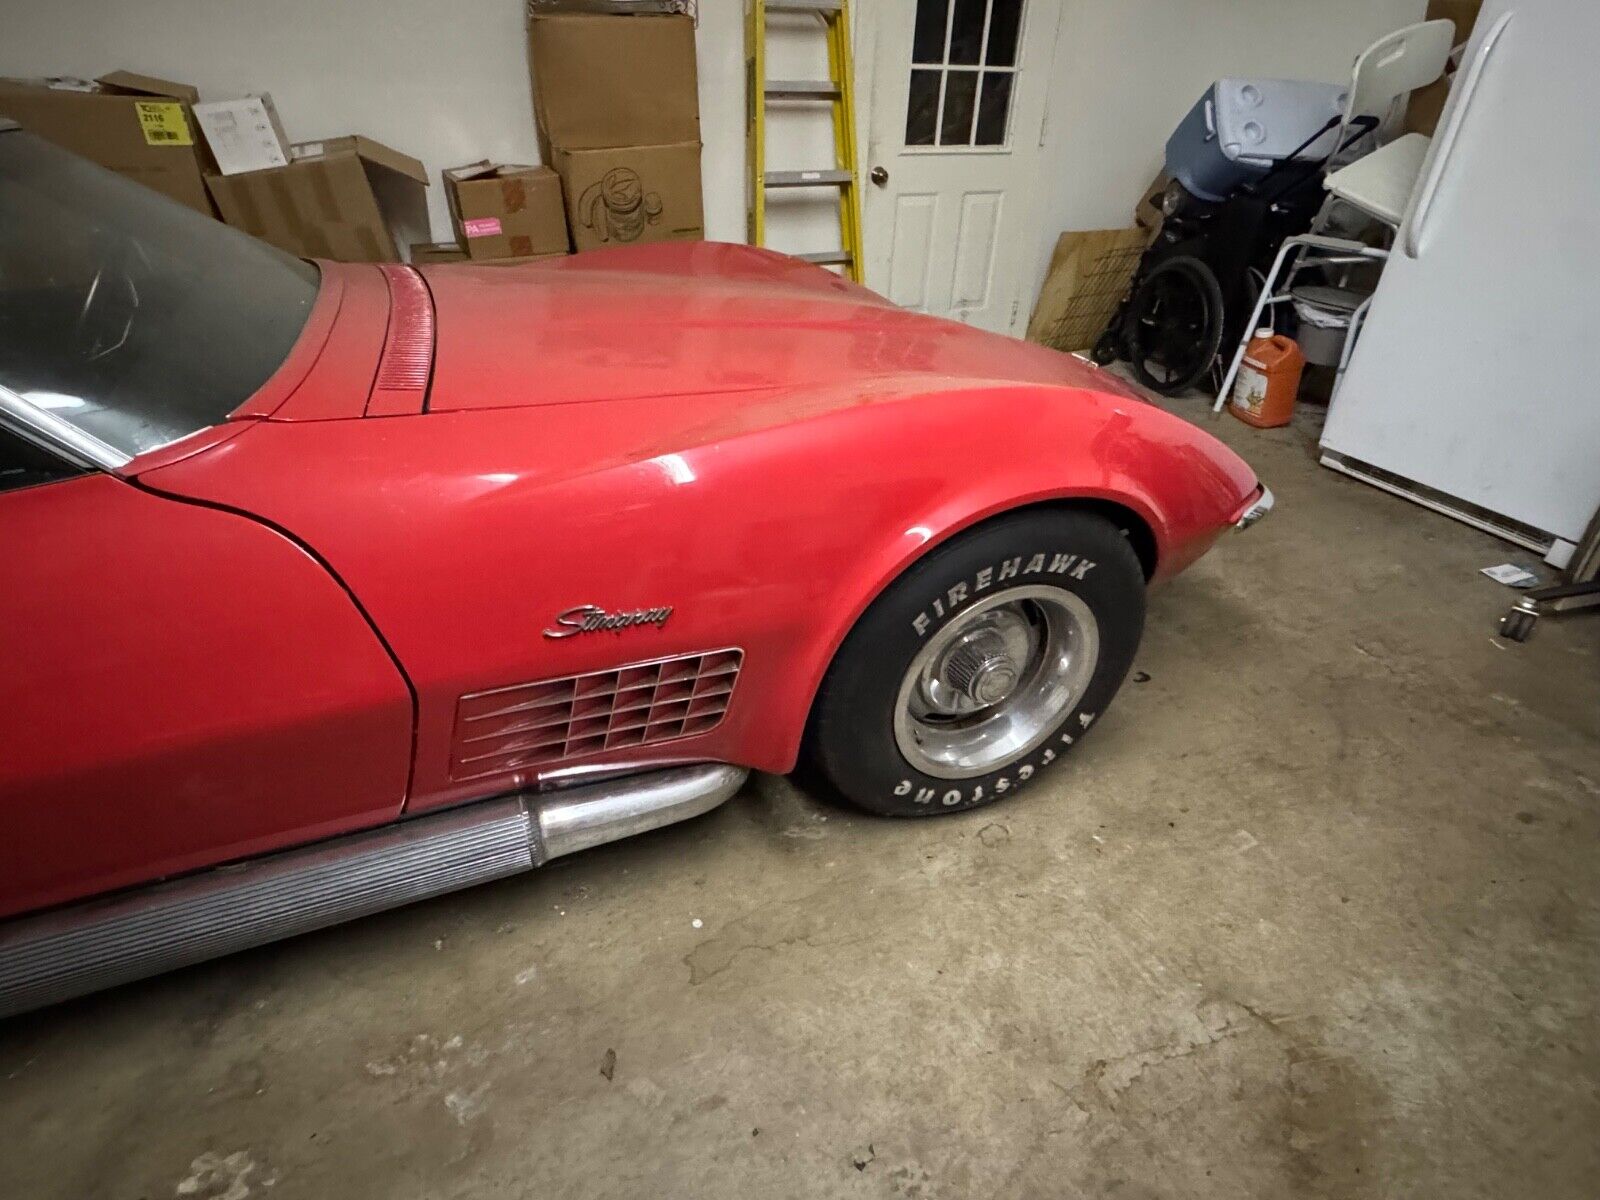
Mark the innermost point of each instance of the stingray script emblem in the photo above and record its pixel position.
(591, 618)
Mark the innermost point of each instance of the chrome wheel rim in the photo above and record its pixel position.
(991, 686)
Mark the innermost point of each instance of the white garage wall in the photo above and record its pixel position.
(448, 82)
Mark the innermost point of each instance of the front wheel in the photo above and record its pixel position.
(981, 666)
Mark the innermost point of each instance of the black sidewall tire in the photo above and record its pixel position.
(851, 738)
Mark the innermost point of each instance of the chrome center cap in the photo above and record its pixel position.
(994, 682)
(980, 669)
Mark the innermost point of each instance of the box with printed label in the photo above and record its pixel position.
(506, 211)
(135, 125)
(349, 198)
(631, 194)
(243, 134)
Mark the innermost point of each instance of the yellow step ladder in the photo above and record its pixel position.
(839, 90)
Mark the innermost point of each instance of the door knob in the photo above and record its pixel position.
(879, 176)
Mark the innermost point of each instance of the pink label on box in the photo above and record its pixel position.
(482, 227)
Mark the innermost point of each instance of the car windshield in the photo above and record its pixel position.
(126, 314)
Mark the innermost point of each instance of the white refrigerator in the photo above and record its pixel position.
(1474, 387)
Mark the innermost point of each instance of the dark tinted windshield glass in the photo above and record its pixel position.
(126, 314)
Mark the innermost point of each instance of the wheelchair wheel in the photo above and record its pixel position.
(1175, 325)
(1107, 349)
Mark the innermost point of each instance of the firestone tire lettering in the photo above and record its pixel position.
(851, 738)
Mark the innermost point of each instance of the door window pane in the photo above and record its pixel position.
(966, 31)
(927, 42)
(922, 109)
(964, 56)
(994, 105)
(1005, 20)
(960, 95)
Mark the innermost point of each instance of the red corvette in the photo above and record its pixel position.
(329, 586)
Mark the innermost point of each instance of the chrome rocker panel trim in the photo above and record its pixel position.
(66, 952)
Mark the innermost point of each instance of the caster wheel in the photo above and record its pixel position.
(1107, 350)
(1517, 625)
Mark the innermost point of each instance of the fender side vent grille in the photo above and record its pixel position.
(554, 720)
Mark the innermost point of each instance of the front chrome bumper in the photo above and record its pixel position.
(1257, 508)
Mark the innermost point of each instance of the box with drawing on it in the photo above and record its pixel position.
(632, 194)
(618, 110)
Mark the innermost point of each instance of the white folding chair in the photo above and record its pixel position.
(1378, 184)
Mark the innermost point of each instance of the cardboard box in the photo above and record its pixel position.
(436, 252)
(135, 125)
(1089, 274)
(346, 198)
(131, 83)
(632, 194)
(244, 134)
(613, 81)
(432, 253)
(1147, 213)
(1463, 12)
(1426, 104)
(506, 211)
(519, 260)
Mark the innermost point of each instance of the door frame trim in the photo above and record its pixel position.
(1036, 23)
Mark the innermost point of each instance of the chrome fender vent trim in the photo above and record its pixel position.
(556, 720)
(71, 951)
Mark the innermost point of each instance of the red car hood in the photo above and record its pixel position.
(698, 318)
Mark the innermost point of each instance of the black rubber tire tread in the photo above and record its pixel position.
(850, 740)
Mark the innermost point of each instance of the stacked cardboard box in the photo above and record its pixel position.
(135, 125)
(431, 253)
(618, 110)
(503, 212)
(347, 198)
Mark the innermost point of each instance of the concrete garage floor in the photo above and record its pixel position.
(1314, 913)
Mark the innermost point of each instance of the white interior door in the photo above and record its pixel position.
(957, 104)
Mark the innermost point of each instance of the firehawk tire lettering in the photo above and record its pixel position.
(1074, 566)
(852, 736)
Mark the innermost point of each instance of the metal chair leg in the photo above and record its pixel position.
(1356, 318)
(1581, 591)
(1289, 244)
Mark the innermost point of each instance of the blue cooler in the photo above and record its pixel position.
(1242, 128)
